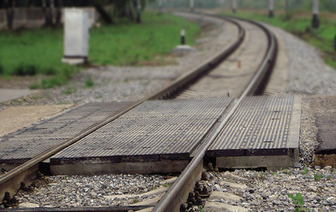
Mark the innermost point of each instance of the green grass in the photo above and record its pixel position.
(130, 43)
(69, 90)
(318, 177)
(300, 25)
(298, 202)
(39, 51)
(89, 82)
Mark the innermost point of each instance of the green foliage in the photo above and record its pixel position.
(24, 70)
(318, 177)
(297, 201)
(89, 82)
(131, 44)
(34, 86)
(52, 82)
(136, 200)
(305, 171)
(69, 90)
(201, 208)
(262, 175)
(165, 185)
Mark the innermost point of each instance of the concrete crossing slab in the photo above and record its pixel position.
(157, 136)
(20, 146)
(263, 132)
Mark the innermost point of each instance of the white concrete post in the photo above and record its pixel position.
(192, 6)
(76, 36)
(315, 21)
(271, 9)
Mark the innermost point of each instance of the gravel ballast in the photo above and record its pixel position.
(74, 191)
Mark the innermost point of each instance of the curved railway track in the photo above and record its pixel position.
(10, 182)
(178, 192)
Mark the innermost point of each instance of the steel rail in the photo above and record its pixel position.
(11, 180)
(168, 202)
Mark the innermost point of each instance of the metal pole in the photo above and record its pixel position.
(315, 21)
(192, 6)
(271, 9)
(234, 6)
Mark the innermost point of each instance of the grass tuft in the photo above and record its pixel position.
(69, 90)
(318, 177)
(305, 171)
(89, 82)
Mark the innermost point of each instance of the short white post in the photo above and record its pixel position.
(76, 36)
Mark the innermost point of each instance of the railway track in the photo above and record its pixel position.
(11, 181)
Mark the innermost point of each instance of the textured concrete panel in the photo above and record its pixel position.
(261, 126)
(153, 131)
(29, 142)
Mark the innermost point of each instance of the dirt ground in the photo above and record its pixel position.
(14, 118)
